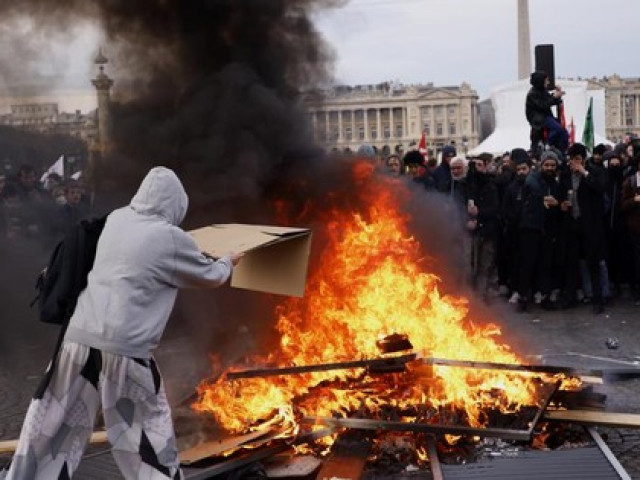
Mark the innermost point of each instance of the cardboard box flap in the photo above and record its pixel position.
(222, 239)
(275, 259)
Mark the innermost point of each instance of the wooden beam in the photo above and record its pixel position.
(346, 461)
(550, 369)
(9, 446)
(589, 417)
(371, 424)
(322, 367)
(434, 460)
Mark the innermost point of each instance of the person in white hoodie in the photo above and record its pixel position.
(106, 360)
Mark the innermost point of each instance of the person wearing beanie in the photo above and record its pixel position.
(584, 211)
(416, 169)
(442, 174)
(510, 213)
(538, 112)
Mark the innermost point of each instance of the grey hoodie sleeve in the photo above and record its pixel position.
(191, 269)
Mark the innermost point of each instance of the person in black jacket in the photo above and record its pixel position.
(510, 214)
(538, 230)
(538, 112)
(483, 207)
(584, 227)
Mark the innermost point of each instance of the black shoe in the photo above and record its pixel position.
(598, 308)
(521, 307)
(547, 304)
(567, 304)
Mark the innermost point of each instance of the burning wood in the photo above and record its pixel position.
(374, 292)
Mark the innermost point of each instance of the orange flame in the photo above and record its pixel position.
(373, 280)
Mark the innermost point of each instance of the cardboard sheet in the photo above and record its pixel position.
(275, 260)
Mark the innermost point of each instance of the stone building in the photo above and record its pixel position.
(389, 115)
(622, 105)
(45, 117)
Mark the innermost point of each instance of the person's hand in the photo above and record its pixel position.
(472, 224)
(473, 210)
(565, 206)
(550, 201)
(557, 93)
(636, 198)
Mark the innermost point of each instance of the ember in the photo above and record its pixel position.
(374, 292)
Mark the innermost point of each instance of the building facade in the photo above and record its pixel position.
(46, 118)
(391, 116)
(622, 105)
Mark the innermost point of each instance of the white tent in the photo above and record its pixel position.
(512, 129)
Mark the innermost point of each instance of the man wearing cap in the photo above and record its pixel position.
(584, 228)
(416, 170)
(510, 213)
(442, 174)
(538, 231)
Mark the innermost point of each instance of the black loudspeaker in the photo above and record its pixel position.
(545, 62)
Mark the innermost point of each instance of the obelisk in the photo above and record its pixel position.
(524, 40)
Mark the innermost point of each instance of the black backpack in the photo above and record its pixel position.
(61, 282)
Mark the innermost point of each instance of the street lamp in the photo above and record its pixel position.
(465, 144)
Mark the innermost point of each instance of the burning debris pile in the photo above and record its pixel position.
(357, 351)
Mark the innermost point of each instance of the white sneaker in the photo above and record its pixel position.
(514, 298)
(537, 298)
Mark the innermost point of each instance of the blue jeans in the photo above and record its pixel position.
(558, 136)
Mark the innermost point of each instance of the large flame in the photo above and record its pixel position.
(372, 280)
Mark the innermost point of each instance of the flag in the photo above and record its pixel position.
(561, 117)
(572, 133)
(422, 146)
(587, 133)
(57, 167)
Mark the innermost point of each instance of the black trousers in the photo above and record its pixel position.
(577, 247)
(535, 256)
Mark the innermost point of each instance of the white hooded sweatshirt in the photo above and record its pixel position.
(142, 259)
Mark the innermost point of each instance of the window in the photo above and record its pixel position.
(361, 133)
(387, 131)
(426, 111)
(452, 128)
(439, 129)
(427, 129)
(398, 130)
(439, 110)
(451, 110)
(348, 134)
(374, 133)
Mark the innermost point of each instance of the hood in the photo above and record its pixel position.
(537, 79)
(161, 193)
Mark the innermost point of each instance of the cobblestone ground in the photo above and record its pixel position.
(573, 338)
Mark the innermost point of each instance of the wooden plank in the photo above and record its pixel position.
(219, 446)
(370, 424)
(346, 461)
(434, 460)
(322, 367)
(9, 446)
(249, 457)
(550, 369)
(589, 417)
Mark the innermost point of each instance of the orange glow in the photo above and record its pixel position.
(373, 280)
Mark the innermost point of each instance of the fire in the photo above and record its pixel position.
(373, 280)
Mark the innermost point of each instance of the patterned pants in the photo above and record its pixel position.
(60, 418)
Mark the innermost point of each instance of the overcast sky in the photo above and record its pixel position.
(419, 41)
(450, 41)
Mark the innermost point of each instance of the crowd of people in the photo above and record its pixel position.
(39, 212)
(555, 229)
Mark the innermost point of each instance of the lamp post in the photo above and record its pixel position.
(465, 145)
